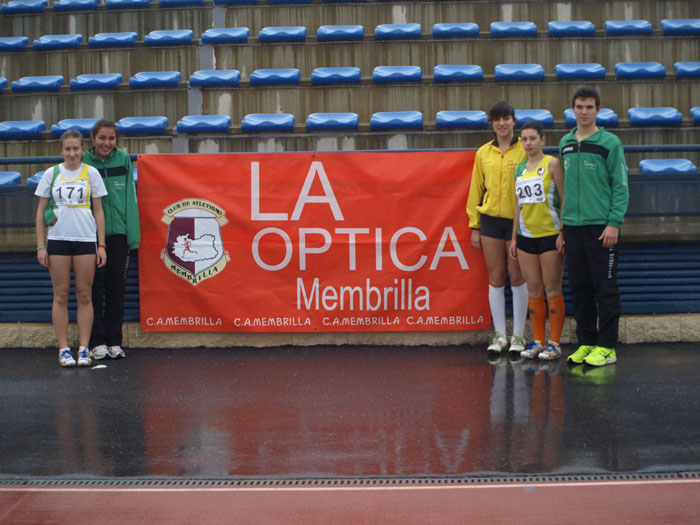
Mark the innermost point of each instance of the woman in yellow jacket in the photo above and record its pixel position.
(490, 208)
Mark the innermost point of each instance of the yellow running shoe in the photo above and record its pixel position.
(601, 356)
(580, 354)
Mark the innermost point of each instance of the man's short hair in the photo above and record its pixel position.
(586, 92)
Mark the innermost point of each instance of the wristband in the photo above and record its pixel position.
(102, 246)
(42, 247)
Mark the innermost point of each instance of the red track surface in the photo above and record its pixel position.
(656, 501)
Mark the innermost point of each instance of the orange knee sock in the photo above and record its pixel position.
(537, 311)
(556, 316)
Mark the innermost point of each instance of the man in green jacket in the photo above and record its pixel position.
(596, 194)
(122, 234)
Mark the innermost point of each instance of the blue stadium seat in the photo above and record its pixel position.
(667, 167)
(136, 175)
(342, 32)
(282, 34)
(137, 125)
(96, 81)
(465, 30)
(688, 26)
(21, 129)
(397, 31)
(13, 43)
(394, 120)
(75, 5)
(513, 29)
(635, 70)
(3, 83)
(84, 125)
(572, 28)
(10, 178)
(179, 3)
(588, 71)
(50, 42)
(461, 119)
(687, 69)
(18, 7)
(226, 35)
(457, 73)
(34, 179)
(654, 117)
(169, 37)
(289, 1)
(332, 122)
(124, 39)
(336, 75)
(127, 4)
(695, 115)
(606, 117)
(234, 2)
(530, 72)
(627, 27)
(45, 83)
(387, 74)
(204, 124)
(543, 116)
(257, 122)
(268, 77)
(215, 78)
(149, 79)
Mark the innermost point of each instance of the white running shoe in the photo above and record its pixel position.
(116, 352)
(498, 343)
(517, 344)
(100, 352)
(65, 357)
(84, 356)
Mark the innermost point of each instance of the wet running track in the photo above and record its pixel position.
(271, 420)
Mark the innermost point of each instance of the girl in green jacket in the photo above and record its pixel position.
(122, 235)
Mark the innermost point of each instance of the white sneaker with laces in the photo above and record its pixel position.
(517, 344)
(84, 356)
(100, 352)
(65, 357)
(116, 352)
(498, 343)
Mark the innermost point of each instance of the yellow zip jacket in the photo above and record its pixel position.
(492, 190)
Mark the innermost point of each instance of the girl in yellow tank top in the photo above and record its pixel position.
(537, 242)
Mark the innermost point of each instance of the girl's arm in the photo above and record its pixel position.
(557, 173)
(99, 214)
(41, 254)
(512, 249)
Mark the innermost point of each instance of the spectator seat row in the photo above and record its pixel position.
(677, 166)
(443, 73)
(331, 33)
(408, 120)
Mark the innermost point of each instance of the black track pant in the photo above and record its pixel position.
(592, 272)
(108, 290)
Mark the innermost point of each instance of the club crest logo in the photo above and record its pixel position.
(194, 250)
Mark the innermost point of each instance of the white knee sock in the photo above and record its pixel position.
(519, 308)
(497, 301)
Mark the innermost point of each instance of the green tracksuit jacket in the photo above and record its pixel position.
(595, 179)
(120, 207)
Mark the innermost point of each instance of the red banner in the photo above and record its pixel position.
(308, 242)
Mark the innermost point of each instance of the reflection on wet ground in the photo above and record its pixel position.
(347, 412)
